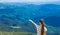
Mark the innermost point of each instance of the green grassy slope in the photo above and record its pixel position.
(16, 33)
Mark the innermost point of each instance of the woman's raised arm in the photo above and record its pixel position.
(33, 23)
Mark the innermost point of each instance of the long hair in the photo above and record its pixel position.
(42, 27)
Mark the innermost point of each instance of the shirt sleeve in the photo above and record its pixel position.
(33, 23)
(45, 28)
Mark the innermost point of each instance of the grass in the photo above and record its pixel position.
(17, 33)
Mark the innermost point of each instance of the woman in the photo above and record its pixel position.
(41, 30)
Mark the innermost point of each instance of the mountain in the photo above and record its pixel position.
(17, 14)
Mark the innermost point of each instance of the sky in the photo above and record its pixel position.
(31, 1)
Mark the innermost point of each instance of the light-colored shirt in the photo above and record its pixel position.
(38, 27)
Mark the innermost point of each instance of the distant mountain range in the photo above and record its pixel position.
(17, 14)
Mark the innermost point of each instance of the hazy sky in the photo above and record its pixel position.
(31, 1)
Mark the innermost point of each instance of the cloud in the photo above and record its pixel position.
(15, 26)
(31, 1)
